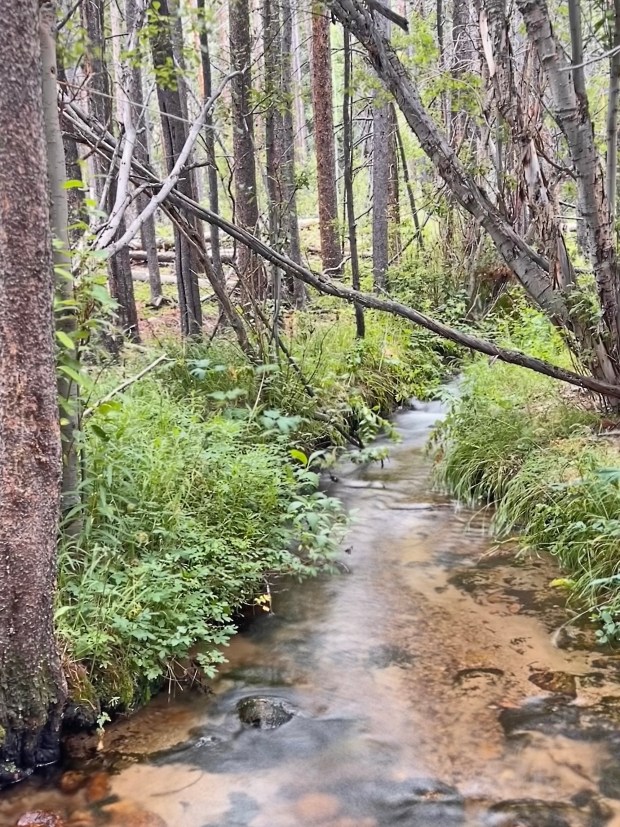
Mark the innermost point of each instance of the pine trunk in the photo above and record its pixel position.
(244, 175)
(322, 104)
(32, 690)
(174, 132)
(100, 105)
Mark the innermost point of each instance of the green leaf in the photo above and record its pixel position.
(299, 455)
(65, 340)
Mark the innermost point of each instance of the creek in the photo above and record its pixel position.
(433, 682)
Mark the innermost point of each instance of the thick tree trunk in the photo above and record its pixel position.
(32, 689)
(174, 132)
(100, 105)
(244, 173)
(59, 218)
(347, 139)
(322, 105)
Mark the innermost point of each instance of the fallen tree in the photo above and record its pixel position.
(100, 140)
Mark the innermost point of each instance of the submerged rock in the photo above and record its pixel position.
(39, 818)
(264, 713)
(561, 683)
(531, 812)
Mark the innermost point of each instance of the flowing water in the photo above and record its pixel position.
(433, 682)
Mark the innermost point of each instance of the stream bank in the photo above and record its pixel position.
(433, 683)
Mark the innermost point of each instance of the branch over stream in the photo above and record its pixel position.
(102, 141)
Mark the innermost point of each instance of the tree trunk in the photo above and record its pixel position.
(209, 140)
(290, 218)
(244, 174)
(100, 105)
(59, 219)
(32, 690)
(570, 109)
(530, 268)
(322, 105)
(139, 118)
(347, 139)
(380, 178)
(613, 101)
(174, 132)
(394, 239)
(301, 126)
(409, 187)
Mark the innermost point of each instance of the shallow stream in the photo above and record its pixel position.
(431, 683)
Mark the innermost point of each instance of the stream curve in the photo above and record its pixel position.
(434, 682)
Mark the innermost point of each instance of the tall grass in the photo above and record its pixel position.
(520, 441)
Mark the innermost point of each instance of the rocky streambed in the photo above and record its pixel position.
(435, 682)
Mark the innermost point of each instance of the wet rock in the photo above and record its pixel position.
(609, 783)
(126, 814)
(264, 713)
(382, 657)
(418, 802)
(98, 787)
(530, 813)
(259, 676)
(560, 683)
(547, 715)
(71, 782)
(40, 818)
(79, 716)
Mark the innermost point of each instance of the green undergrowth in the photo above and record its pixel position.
(529, 446)
(201, 486)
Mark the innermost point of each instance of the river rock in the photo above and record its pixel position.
(531, 813)
(264, 713)
(560, 683)
(40, 818)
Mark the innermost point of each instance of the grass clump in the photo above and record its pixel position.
(519, 441)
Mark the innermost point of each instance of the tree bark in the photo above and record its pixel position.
(209, 140)
(530, 268)
(613, 102)
(59, 219)
(570, 109)
(380, 178)
(100, 104)
(291, 221)
(244, 173)
(174, 132)
(139, 118)
(322, 105)
(347, 138)
(32, 690)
